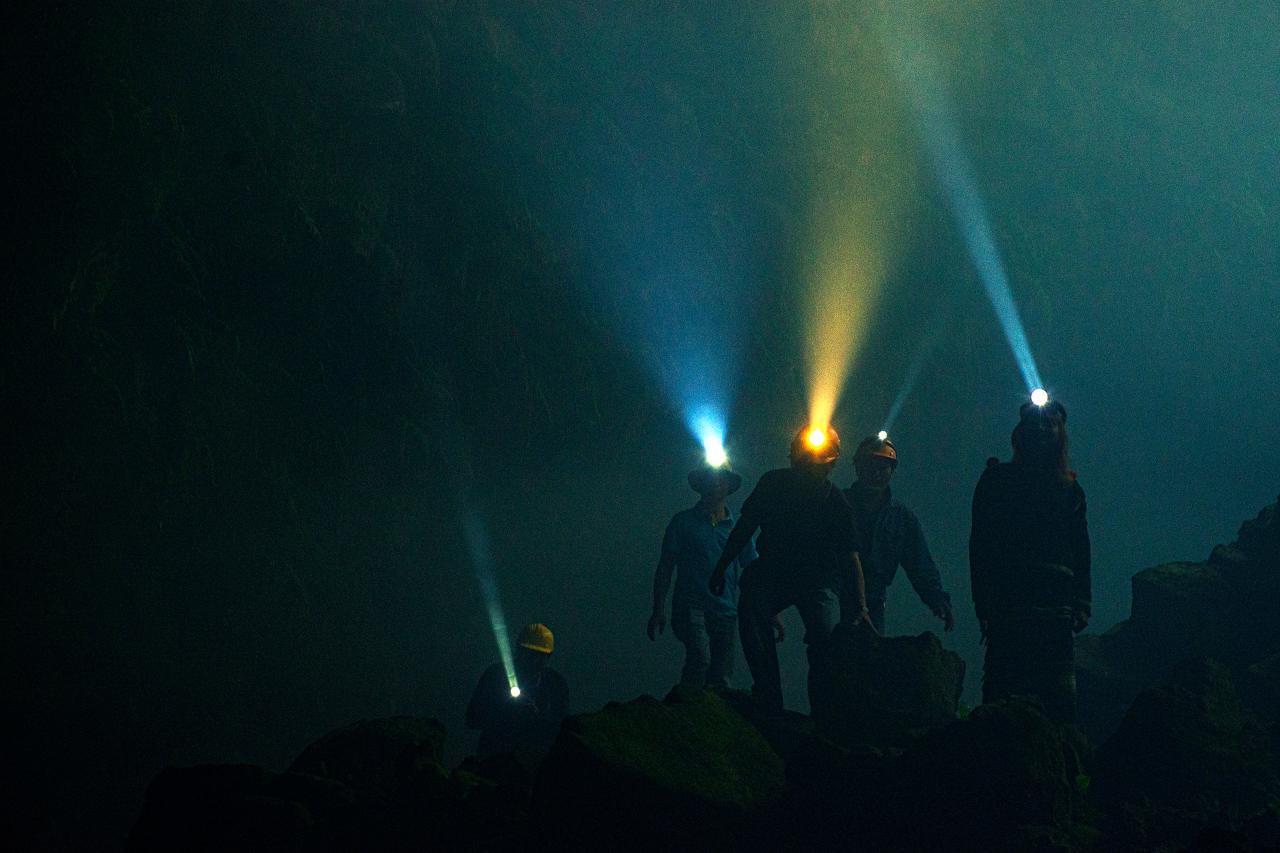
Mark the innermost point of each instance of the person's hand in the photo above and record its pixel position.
(863, 620)
(1079, 620)
(716, 584)
(658, 623)
(943, 612)
(779, 630)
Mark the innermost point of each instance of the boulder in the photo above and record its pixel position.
(882, 691)
(233, 807)
(1221, 608)
(397, 758)
(1187, 756)
(1005, 777)
(685, 771)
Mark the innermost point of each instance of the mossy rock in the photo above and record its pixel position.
(683, 770)
(1187, 755)
(883, 691)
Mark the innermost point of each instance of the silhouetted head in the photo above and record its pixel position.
(875, 460)
(533, 649)
(814, 451)
(1040, 438)
(714, 484)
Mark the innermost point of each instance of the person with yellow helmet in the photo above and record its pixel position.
(523, 710)
(893, 536)
(808, 549)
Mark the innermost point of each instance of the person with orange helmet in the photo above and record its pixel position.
(808, 548)
(893, 536)
(523, 709)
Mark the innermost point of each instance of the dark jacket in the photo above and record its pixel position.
(1029, 544)
(807, 529)
(532, 720)
(892, 537)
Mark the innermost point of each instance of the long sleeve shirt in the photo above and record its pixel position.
(892, 537)
(1026, 523)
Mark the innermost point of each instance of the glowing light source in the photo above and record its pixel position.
(816, 437)
(708, 425)
(882, 435)
(515, 692)
(716, 455)
(1039, 396)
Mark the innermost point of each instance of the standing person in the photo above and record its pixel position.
(808, 554)
(892, 535)
(528, 713)
(706, 624)
(1029, 561)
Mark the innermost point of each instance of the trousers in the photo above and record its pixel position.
(767, 590)
(709, 642)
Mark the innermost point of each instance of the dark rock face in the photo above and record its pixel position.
(880, 690)
(1005, 774)
(239, 807)
(1187, 755)
(395, 757)
(685, 770)
(374, 786)
(1222, 608)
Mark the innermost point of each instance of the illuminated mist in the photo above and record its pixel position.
(861, 182)
(917, 70)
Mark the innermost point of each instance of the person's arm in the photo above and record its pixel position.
(661, 583)
(481, 710)
(923, 573)
(1082, 581)
(981, 552)
(738, 538)
(860, 591)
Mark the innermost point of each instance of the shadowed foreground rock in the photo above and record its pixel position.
(883, 690)
(1187, 755)
(1224, 608)
(373, 786)
(686, 770)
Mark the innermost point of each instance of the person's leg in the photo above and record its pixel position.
(722, 632)
(877, 615)
(757, 605)
(820, 610)
(1032, 656)
(690, 629)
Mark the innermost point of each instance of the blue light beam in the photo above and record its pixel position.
(482, 562)
(955, 172)
(707, 424)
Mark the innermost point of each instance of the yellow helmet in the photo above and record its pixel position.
(537, 637)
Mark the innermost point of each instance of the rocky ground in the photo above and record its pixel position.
(1179, 748)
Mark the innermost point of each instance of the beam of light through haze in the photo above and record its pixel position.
(482, 562)
(954, 171)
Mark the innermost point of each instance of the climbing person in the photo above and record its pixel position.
(525, 708)
(892, 535)
(808, 548)
(1029, 562)
(707, 624)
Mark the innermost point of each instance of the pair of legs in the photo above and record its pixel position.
(1032, 656)
(708, 646)
(767, 590)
